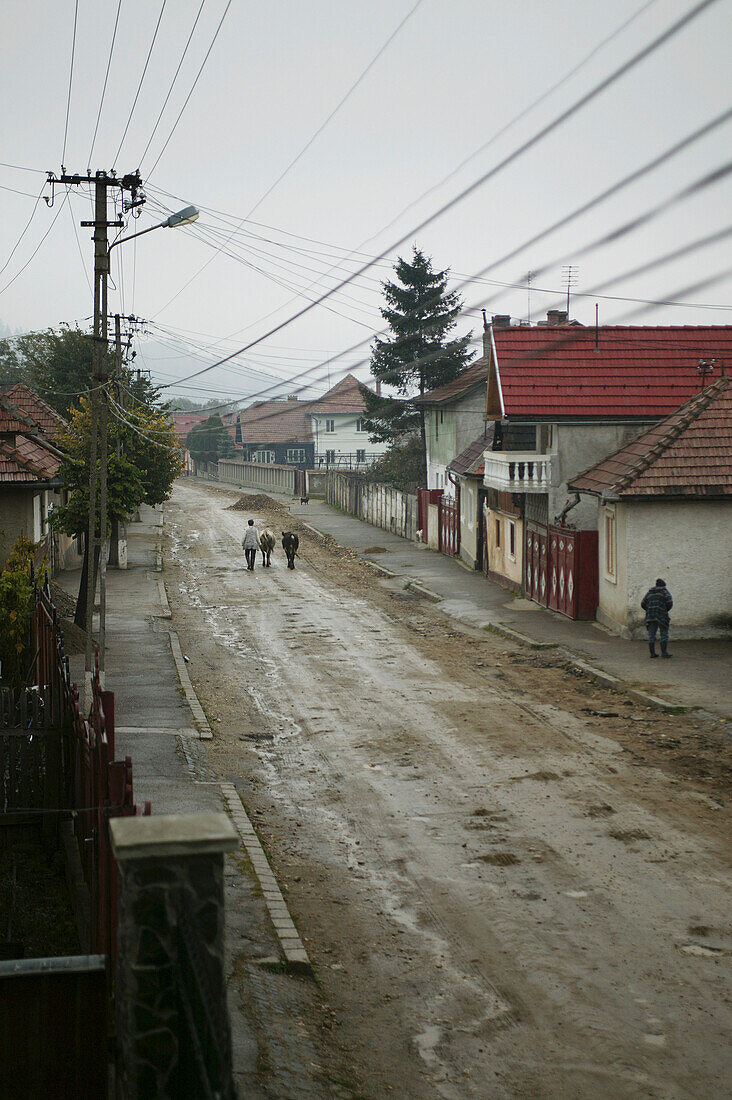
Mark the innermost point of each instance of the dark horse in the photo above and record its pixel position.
(290, 543)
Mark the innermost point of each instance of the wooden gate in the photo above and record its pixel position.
(560, 570)
(449, 530)
(535, 562)
(300, 484)
(425, 497)
(573, 576)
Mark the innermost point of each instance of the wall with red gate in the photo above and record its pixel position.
(449, 529)
(425, 497)
(560, 569)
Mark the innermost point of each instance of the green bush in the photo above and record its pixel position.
(16, 610)
(401, 466)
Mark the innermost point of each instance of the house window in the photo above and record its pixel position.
(330, 455)
(468, 498)
(330, 425)
(296, 454)
(360, 426)
(360, 456)
(610, 545)
(512, 540)
(264, 456)
(498, 534)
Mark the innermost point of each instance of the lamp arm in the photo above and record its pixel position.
(133, 235)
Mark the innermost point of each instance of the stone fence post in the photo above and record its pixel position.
(170, 1005)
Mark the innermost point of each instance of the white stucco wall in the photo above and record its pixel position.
(448, 431)
(574, 448)
(469, 521)
(344, 439)
(686, 543)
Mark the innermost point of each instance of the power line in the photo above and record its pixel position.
(193, 86)
(71, 77)
(15, 191)
(23, 168)
(25, 229)
(139, 86)
(106, 78)
(516, 118)
(604, 84)
(336, 109)
(172, 83)
(33, 254)
(308, 143)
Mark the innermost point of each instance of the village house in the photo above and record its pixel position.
(664, 509)
(562, 398)
(454, 416)
(276, 431)
(339, 432)
(30, 483)
(466, 470)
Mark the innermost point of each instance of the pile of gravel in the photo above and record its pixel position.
(255, 502)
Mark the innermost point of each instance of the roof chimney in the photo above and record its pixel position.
(501, 320)
(556, 316)
(292, 397)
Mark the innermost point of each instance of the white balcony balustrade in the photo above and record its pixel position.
(517, 471)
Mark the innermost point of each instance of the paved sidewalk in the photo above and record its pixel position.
(700, 675)
(160, 724)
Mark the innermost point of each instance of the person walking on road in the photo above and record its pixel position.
(250, 544)
(657, 603)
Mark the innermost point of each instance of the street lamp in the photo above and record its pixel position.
(183, 217)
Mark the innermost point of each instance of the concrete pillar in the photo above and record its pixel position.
(170, 961)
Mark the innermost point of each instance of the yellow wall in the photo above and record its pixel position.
(500, 561)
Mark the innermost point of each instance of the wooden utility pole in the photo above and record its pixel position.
(98, 404)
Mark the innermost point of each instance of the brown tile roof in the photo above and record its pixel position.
(276, 422)
(26, 461)
(30, 405)
(474, 375)
(689, 454)
(344, 397)
(184, 421)
(470, 461)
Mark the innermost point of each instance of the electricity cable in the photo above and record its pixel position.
(139, 86)
(559, 120)
(71, 77)
(195, 82)
(172, 83)
(25, 229)
(307, 145)
(104, 88)
(36, 249)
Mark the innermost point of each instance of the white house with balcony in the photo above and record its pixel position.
(561, 398)
(339, 433)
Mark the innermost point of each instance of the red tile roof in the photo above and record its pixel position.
(344, 397)
(184, 421)
(636, 372)
(470, 462)
(276, 422)
(26, 461)
(34, 408)
(689, 454)
(474, 375)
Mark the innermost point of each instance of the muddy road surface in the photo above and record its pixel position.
(511, 882)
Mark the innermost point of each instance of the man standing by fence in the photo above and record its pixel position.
(657, 603)
(250, 544)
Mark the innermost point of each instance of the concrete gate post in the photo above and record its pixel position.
(170, 892)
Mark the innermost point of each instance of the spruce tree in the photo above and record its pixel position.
(420, 354)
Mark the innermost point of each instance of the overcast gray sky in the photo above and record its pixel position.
(454, 74)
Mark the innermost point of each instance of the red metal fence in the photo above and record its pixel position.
(95, 785)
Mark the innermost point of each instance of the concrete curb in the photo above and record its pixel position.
(606, 679)
(199, 718)
(517, 636)
(166, 613)
(422, 590)
(291, 945)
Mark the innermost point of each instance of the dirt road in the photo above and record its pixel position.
(512, 883)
